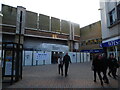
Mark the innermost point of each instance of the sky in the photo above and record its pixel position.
(83, 12)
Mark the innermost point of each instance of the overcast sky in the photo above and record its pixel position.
(83, 12)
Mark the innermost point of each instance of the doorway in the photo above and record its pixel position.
(55, 55)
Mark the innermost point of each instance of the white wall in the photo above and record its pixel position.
(73, 56)
(106, 7)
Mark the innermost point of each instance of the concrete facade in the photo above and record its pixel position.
(110, 24)
(38, 32)
(63, 31)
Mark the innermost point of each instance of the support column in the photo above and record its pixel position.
(19, 38)
(20, 25)
(0, 50)
(71, 37)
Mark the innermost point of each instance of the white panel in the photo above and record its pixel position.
(88, 57)
(81, 57)
(34, 60)
(78, 57)
(48, 61)
(28, 57)
(72, 56)
(84, 57)
(41, 62)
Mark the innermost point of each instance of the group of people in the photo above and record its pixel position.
(102, 64)
(65, 61)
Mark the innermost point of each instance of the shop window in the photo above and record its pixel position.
(112, 17)
(83, 43)
(88, 42)
(91, 41)
(118, 12)
(95, 41)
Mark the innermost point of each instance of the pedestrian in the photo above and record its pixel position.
(60, 65)
(104, 66)
(66, 61)
(97, 65)
(113, 65)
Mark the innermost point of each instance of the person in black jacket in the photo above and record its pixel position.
(97, 64)
(66, 61)
(104, 68)
(113, 65)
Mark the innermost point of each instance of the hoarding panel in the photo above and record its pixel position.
(65, 27)
(76, 29)
(55, 24)
(9, 15)
(31, 19)
(44, 22)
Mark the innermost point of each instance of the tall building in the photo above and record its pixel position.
(110, 22)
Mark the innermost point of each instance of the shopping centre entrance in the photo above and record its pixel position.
(55, 56)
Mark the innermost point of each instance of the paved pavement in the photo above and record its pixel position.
(80, 75)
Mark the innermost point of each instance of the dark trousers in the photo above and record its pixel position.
(113, 71)
(60, 68)
(99, 75)
(66, 69)
(105, 76)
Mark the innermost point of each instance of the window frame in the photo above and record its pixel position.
(118, 12)
(112, 16)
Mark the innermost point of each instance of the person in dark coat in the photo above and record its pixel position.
(97, 64)
(113, 65)
(66, 61)
(104, 68)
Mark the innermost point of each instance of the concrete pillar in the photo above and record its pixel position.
(20, 25)
(71, 37)
(19, 38)
(0, 50)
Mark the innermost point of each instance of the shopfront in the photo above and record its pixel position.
(112, 46)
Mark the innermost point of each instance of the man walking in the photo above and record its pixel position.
(66, 61)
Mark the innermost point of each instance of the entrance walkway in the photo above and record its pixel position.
(80, 75)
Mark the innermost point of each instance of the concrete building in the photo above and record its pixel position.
(110, 22)
(38, 32)
(0, 49)
(90, 38)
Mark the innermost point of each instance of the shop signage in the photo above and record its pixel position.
(41, 56)
(111, 43)
(93, 51)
